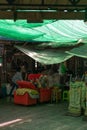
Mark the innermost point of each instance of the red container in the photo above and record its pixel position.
(45, 95)
(24, 99)
(34, 76)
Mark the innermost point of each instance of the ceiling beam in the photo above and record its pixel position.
(36, 16)
(38, 6)
(63, 9)
(42, 4)
(51, 2)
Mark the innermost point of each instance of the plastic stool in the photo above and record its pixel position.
(65, 95)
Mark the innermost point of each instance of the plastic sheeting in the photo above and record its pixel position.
(10, 30)
(47, 56)
(63, 32)
(52, 33)
(80, 51)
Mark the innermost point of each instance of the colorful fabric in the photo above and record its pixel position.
(77, 97)
(31, 92)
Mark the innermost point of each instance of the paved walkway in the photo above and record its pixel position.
(38, 117)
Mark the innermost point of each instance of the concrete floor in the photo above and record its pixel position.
(38, 117)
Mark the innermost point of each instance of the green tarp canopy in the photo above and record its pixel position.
(49, 34)
(13, 31)
(52, 33)
(63, 33)
(47, 56)
(80, 51)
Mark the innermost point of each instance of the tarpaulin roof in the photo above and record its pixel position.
(80, 51)
(10, 30)
(47, 56)
(53, 34)
(60, 32)
(63, 32)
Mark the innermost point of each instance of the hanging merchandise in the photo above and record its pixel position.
(62, 69)
(77, 98)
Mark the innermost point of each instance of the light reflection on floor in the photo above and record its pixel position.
(9, 122)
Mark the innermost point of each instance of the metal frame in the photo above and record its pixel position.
(54, 10)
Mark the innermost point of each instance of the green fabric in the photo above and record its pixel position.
(58, 33)
(45, 56)
(80, 51)
(63, 68)
(63, 32)
(25, 24)
(49, 34)
(10, 30)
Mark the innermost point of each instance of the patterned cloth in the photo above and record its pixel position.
(77, 95)
(31, 92)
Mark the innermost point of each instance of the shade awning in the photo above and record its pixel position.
(47, 56)
(58, 33)
(80, 51)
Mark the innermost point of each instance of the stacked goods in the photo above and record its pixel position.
(76, 98)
